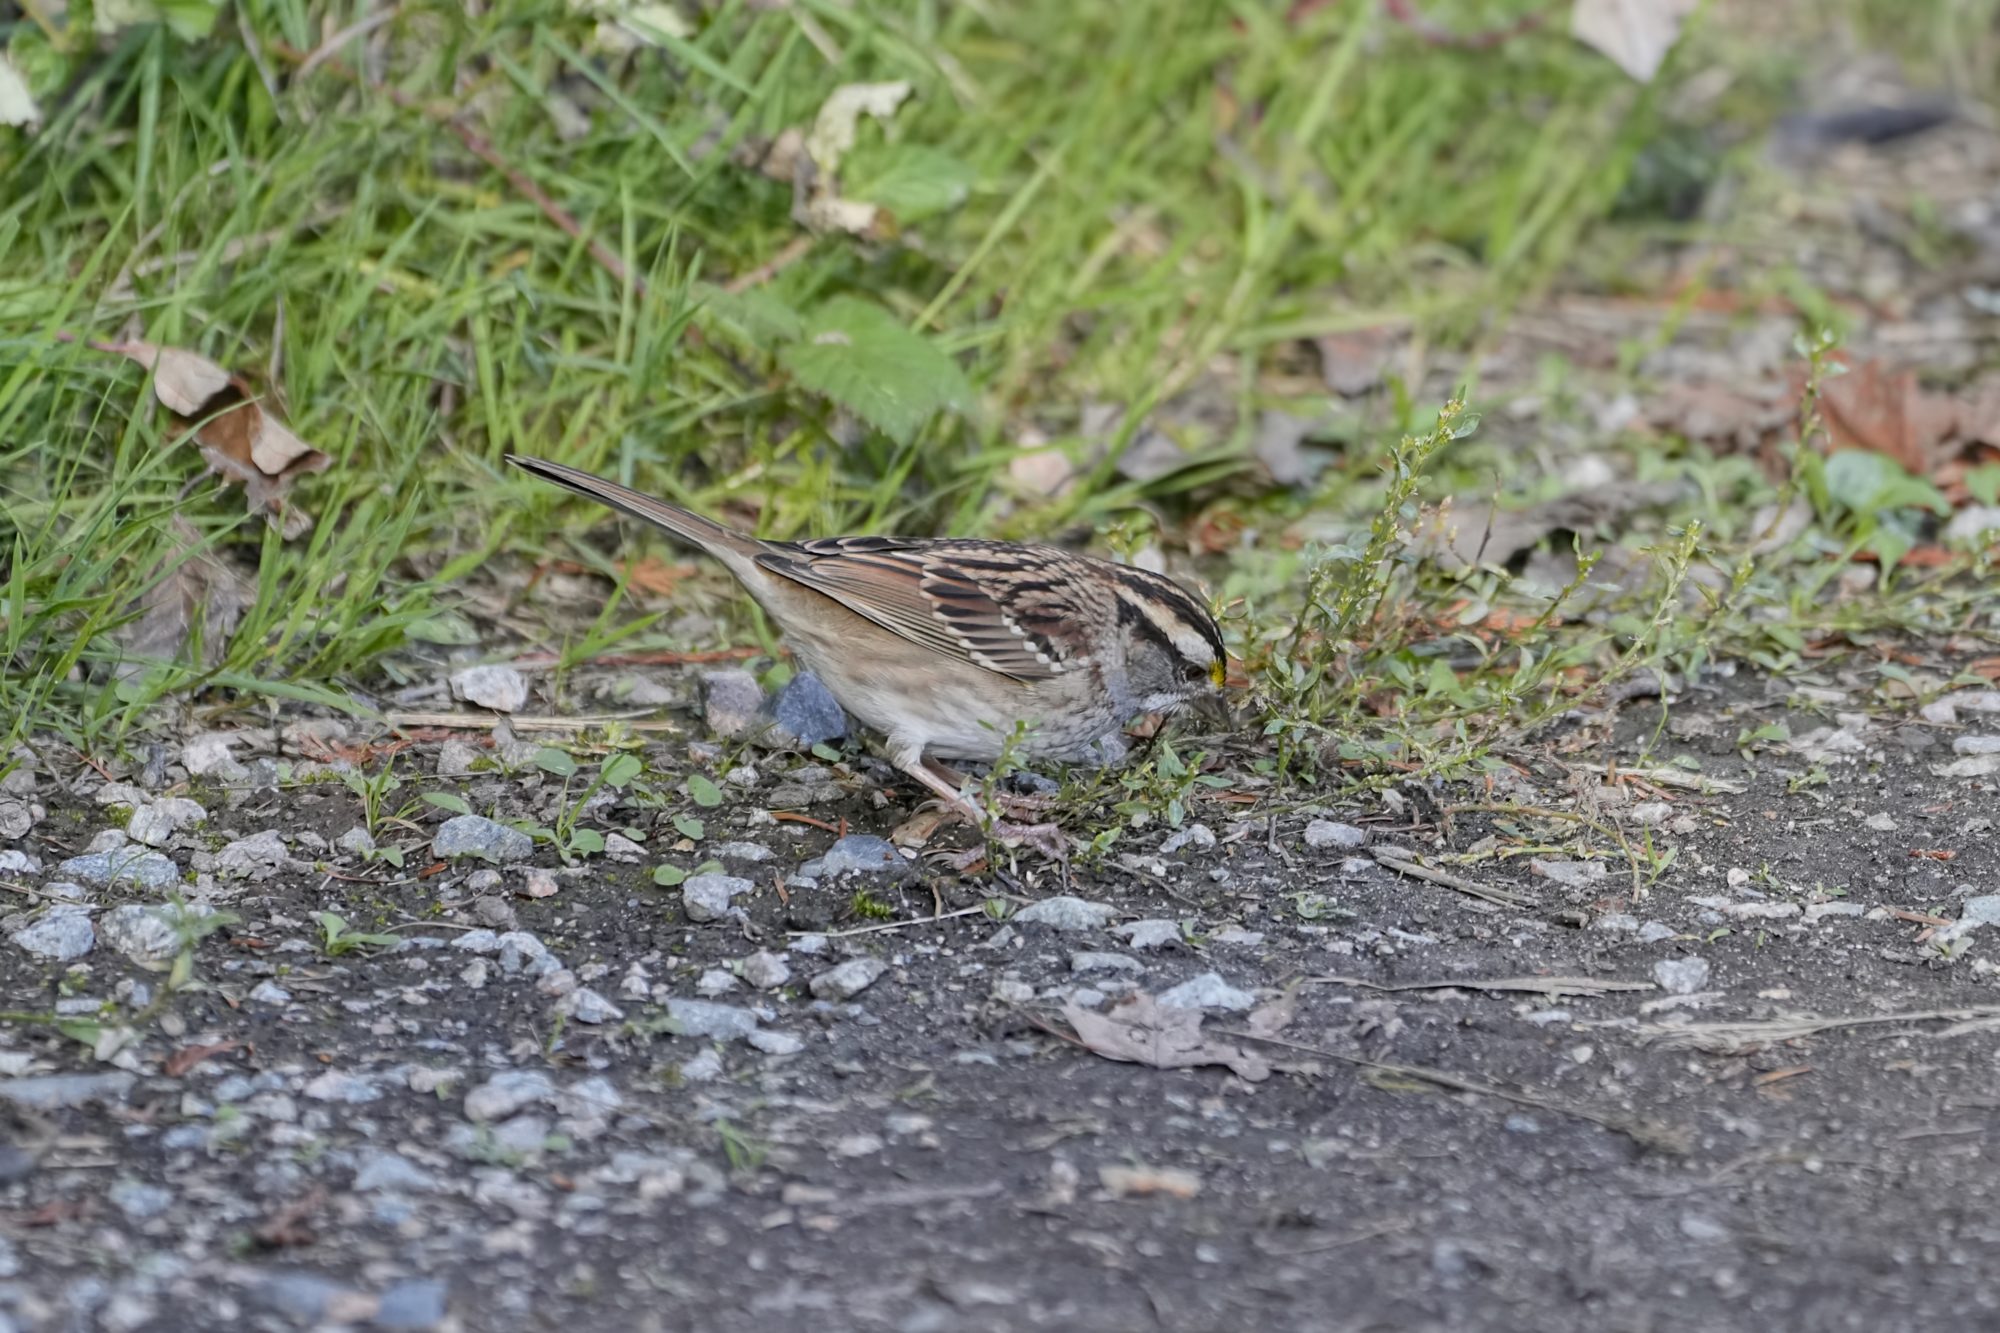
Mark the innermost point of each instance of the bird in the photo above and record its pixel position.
(951, 648)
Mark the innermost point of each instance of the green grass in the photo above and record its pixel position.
(1143, 205)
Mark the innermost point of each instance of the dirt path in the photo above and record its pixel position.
(493, 1124)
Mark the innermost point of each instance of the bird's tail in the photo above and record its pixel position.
(710, 536)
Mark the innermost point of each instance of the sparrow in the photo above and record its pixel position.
(946, 647)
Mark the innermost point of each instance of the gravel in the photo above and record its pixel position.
(1325, 833)
(1207, 991)
(1681, 976)
(127, 867)
(500, 688)
(847, 980)
(707, 897)
(732, 703)
(64, 933)
(1064, 912)
(806, 714)
(507, 1092)
(254, 858)
(860, 854)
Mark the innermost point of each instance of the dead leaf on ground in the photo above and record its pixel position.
(1140, 1031)
(1634, 34)
(814, 159)
(1887, 412)
(240, 439)
(187, 1057)
(1354, 362)
(196, 588)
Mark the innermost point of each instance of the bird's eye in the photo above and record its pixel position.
(1194, 672)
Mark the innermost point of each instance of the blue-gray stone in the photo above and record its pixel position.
(476, 835)
(859, 854)
(65, 933)
(805, 712)
(124, 865)
(705, 1018)
(418, 1303)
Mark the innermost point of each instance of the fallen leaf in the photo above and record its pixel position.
(839, 120)
(197, 588)
(187, 1057)
(238, 437)
(17, 105)
(1635, 34)
(1140, 1031)
(1354, 362)
(1887, 412)
(1139, 1182)
(812, 164)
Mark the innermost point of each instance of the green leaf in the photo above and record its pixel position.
(586, 840)
(554, 761)
(914, 182)
(445, 800)
(822, 751)
(1983, 483)
(705, 793)
(757, 316)
(689, 826)
(869, 362)
(668, 876)
(1867, 482)
(620, 769)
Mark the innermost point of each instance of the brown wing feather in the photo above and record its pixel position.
(991, 605)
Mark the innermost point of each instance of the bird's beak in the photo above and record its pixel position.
(1213, 709)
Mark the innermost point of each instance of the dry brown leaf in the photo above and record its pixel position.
(196, 587)
(187, 1057)
(1887, 412)
(1354, 362)
(1141, 1031)
(239, 438)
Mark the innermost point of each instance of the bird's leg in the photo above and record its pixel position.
(1008, 801)
(1044, 838)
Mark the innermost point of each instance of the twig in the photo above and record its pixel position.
(1646, 1133)
(1394, 859)
(795, 250)
(486, 722)
(881, 926)
(1736, 1036)
(1533, 985)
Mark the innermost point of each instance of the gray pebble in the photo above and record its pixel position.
(500, 688)
(476, 835)
(122, 866)
(707, 897)
(1323, 833)
(847, 980)
(1681, 976)
(705, 1018)
(859, 854)
(806, 714)
(732, 703)
(507, 1092)
(1064, 912)
(1207, 991)
(63, 934)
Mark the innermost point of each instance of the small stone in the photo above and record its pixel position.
(587, 1006)
(119, 793)
(715, 982)
(139, 1201)
(150, 825)
(859, 854)
(1696, 1227)
(1616, 923)
(56, 1092)
(456, 759)
(1085, 961)
(743, 851)
(500, 688)
(64, 933)
(17, 862)
(1761, 911)
(732, 703)
(1153, 933)
(16, 819)
(705, 1018)
(847, 980)
(1207, 991)
(208, 755)
(122, 866)
(335, 1086)
(775, 1043)
(1570, 874)
(413, 1305)
(357, 841)
(702, 1066)
(644, 692)
(507, 1092)
(271, 993)
(707, 897)
(1881, 821)
(809, 945)
(521, 951)
(621, 849)
(1198, 836)
(478, 941)
(390, 1171)
(490, 909)
(476, 835)
(538, 883)
(857, 1145)
(144, 934)
(1654, 932)
(1975, 745)
(254, 858)
(1324, 833)
(1652, 814)
(806, 714)
(1681, 976)
(764, 970)
(1064, 912)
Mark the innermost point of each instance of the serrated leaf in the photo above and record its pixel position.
(914, 182)
(689, 827)
(445, 800)
(704, 793)
(551, 760)
(869, 362)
